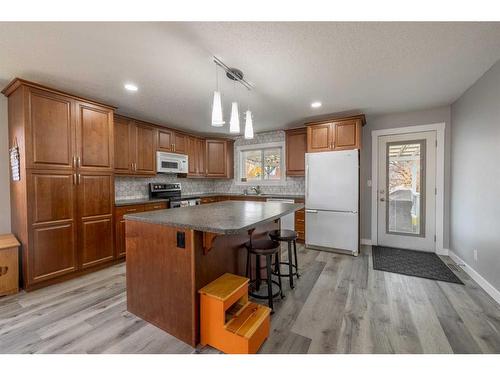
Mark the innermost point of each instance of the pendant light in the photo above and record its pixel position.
(234, 123)
(217, 119)
(248, 125)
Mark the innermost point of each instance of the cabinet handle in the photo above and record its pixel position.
(78, 162)
(131, 209)
(74, 178)
(156, 206)
(74, 161)
(78, 179)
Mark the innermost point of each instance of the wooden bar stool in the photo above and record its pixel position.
(266, 248)
(289, 236)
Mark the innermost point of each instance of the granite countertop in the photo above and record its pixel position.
(228, 217)
(128, 202)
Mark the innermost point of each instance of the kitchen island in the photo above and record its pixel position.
(173, 253)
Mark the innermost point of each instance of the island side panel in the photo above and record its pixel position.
(160, 278)
(227, 254)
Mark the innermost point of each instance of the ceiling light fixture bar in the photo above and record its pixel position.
(234, 76)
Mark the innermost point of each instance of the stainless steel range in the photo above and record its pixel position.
(173, 193)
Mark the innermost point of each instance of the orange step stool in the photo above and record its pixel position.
(229, 322)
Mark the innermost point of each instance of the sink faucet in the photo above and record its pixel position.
(256, 189)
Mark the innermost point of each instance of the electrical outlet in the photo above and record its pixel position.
(475, 255)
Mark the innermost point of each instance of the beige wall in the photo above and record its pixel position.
(4, 169)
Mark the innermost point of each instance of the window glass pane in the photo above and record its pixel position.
(404, 180)
(272, 164)
(252, 165)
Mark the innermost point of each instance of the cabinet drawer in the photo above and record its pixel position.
(120, 211)
(155, 206)
(299, 226)
(300, 215)
(208, 200)
(301, 235)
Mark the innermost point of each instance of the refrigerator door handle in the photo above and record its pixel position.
(312, 211)
(307, 179)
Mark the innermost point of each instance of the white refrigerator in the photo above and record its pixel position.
(332, 201)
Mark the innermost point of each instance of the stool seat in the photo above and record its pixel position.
(262, 247)
(283, 235)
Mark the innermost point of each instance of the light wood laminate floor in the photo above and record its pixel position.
(339, 305)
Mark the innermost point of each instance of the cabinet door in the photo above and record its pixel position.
(296, 146)
(52, 220)
(347, 135)
(50, 136)
(201, 157)
(145, 155)
(94, 137)
(95, 218)
(180, 144)
(123, 157)
(216, 155)
(165, 140)
(319, 138)
(192, 153)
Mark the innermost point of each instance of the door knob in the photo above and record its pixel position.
(382, 199)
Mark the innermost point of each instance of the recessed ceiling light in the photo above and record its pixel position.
(316, 104)
(131, 87)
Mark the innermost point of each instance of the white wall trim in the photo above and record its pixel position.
(366, 241)
(439, 129)
(444, 252)
(483, 283)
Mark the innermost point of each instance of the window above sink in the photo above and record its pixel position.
(261, 164)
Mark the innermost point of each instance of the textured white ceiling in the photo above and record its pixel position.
(365, 67)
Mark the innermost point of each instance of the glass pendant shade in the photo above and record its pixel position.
(217, 110)
(234, 123)
(248, 125)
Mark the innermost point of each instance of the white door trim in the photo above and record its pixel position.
(439, 129)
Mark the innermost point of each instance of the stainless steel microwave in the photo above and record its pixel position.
(167, 162)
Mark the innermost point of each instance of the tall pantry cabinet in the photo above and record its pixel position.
(62, 205)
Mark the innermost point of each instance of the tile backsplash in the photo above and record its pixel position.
(137, 188)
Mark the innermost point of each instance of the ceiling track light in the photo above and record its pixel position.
(233, 73)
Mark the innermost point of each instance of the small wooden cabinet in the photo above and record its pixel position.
(172, 141)
(219, 158)
(135, 147)
(335, 134)
(296, 147)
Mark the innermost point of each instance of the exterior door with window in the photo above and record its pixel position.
(406, 191)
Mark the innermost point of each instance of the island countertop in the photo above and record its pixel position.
(228, 217)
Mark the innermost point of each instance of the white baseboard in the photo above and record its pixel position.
(366, 241)
(444, 252)
(483, 283)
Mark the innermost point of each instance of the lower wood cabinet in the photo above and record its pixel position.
(95, 218)
(70, 223)
(300, 224)
(119, 212)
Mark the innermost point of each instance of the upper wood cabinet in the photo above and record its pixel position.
(171, 141)
(94, 137)
(50, 130)
(196, 157)
(135, 147)
(219, 158)
(165, 140)
(144, 149)
(335, 134)
(296, 147)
